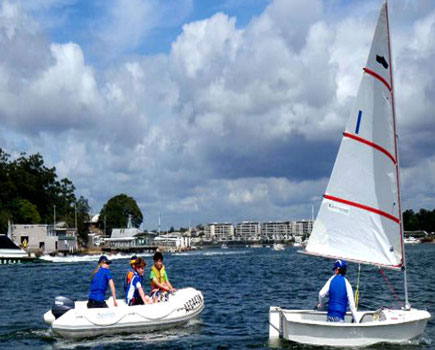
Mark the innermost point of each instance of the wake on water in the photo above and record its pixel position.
(87, 258)
(120, 256)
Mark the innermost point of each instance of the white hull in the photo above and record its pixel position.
(14, 256)
(412, 240)
(80, 322)
(10, 253)
(383, 326)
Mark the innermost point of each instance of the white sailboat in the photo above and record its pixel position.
(360, 216)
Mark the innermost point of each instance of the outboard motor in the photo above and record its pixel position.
(61, 305)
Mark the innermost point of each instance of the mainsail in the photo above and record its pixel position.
(359, 218)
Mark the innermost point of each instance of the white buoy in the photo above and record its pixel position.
(274, 322)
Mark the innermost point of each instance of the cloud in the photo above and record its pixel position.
(233, 123)
(124, 25)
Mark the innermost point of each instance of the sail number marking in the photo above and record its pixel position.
(193, 303)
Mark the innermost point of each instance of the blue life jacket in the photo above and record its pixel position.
(337, 297)
(132, 291)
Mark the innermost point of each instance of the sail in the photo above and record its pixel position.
(359, 218)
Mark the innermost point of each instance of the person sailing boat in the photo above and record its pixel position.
(340, 294)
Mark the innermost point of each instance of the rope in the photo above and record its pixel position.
(391, 287)
(357, 287)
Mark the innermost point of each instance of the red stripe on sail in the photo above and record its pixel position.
(377, 76)
(371, 144)
(362, 206)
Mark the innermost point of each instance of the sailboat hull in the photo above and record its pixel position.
(382, 326)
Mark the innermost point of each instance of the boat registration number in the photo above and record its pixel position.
(193, 303)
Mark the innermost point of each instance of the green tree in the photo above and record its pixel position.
(410, 221)
(83, 217)
(35, 182)
(26, 212)
(29, 191)
(116, 211)
(423, 220)
(426, 219)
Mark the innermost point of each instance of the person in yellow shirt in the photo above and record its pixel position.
(160, 284)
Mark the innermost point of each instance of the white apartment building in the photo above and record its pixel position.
(248, 230)
(303, 227)
(276, 230)
(219, 231)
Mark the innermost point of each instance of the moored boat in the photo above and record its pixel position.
(70, 319)
(412, 240)
(10, 253)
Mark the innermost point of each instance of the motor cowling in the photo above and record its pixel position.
(61, 305)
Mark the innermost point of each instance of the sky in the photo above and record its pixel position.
(205, 110)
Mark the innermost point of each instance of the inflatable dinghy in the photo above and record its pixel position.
(71, 319)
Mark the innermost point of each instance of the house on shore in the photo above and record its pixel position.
(45, 239)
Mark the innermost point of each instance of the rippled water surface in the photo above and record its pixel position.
(239, 286)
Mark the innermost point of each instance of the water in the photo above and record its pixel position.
(239, 286)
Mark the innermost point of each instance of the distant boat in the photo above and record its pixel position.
(224, 246)
(412, 240)
(278, 246)
(10, 253)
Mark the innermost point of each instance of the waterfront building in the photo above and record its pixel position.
(223, 231)
(122, 238)
(248, 231)
(45, 239)
(172, 242)
(303, 227)
(276, 230)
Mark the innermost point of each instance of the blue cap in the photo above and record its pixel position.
(103, 258)
(340, 264)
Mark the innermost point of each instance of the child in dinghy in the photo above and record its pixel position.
(160, 285)
(135, 294)
(130, 272)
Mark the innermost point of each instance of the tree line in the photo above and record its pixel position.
(423, 220)
(31, 193)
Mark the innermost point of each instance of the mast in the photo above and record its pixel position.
(405, 280)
